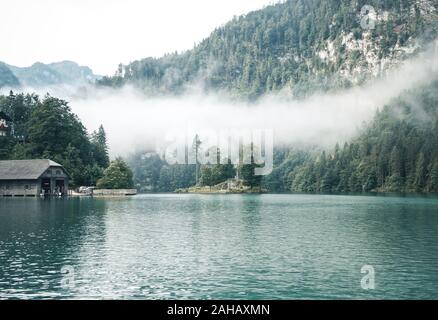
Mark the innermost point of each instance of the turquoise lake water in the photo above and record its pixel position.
(170, 246)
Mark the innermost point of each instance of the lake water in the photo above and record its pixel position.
(219, 247)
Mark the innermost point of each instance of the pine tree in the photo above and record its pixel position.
(395, 182)
(419, 181)
(433, 179)
(99, 142)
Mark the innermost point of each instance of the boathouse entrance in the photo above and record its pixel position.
(46, 186)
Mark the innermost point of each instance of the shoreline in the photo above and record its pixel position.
(106, 193)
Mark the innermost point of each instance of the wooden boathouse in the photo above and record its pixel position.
(42, 177)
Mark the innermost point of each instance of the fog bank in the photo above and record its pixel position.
(135, 122)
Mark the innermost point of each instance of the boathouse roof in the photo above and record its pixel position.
(25, 169)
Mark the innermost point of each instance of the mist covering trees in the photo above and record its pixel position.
(396, 152)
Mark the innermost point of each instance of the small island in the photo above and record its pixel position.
(117, 181)
(230, 186)
(225, 179)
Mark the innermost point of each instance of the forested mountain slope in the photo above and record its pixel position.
(397, 151)
(299, 45)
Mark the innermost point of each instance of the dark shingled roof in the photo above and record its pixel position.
(25, 169)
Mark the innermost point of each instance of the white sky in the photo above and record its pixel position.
(103, 33)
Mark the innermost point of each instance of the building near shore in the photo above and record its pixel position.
(5, 128)
(42, 177)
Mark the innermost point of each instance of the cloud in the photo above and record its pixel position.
(134, 121)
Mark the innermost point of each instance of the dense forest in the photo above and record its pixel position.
(47, 129)
(301, 46)
(397, 151)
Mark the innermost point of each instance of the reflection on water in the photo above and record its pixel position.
(39, 237)
(219, 247)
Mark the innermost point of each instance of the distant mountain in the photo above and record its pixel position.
(7, 78)
(298, 45)
(43, 75)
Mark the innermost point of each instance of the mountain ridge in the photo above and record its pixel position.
(7, 77)
(42, 75)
